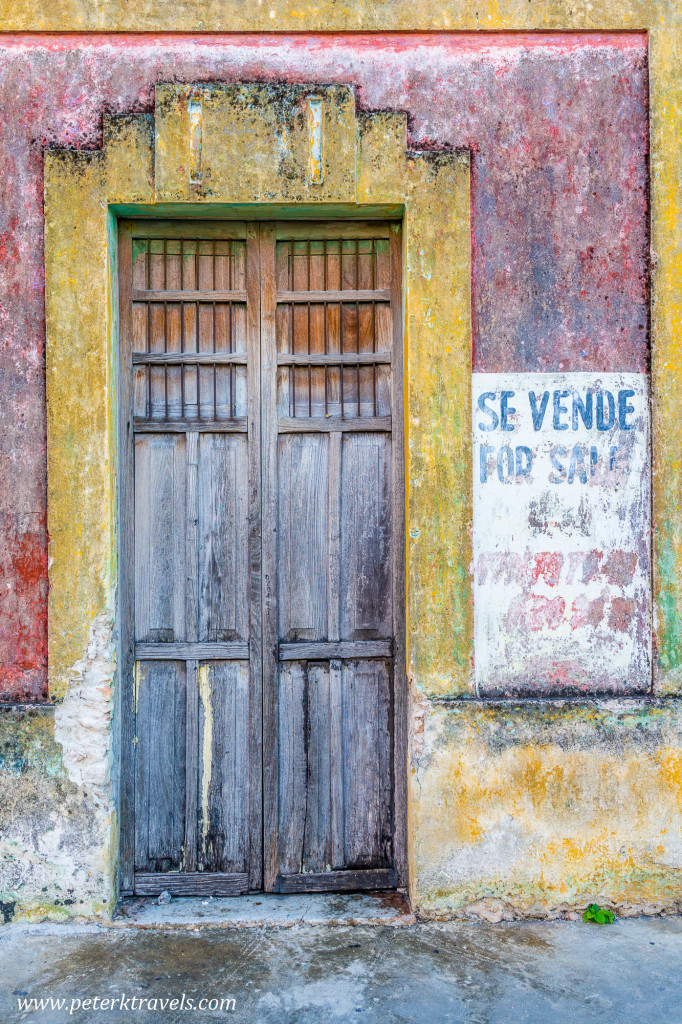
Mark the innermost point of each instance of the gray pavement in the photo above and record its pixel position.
(331, 972)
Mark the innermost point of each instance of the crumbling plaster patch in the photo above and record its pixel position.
(54, 856)
(545, 808)
(82, 722)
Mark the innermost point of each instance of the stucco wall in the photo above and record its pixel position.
(558, 132)
(536, 810)
(522, 809)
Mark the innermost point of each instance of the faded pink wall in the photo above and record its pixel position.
(558, 130)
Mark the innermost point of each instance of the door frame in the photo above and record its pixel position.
(264, 635)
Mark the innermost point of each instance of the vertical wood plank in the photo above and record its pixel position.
(140, 755)
(253, 313)
(224, 767)
(336, 756)
(367, 743)
(126, 549)
(293, 766)
(338, 825)
(191, 537)
(234, 770)
(334, 536)
(166, 709)
(366, 574)
(360, 766)
(269, 552)
(399, 414)
(191, 765)
(302, 549)
(317, 839)
(223, 538)
(160, 536)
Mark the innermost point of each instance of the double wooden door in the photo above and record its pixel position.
(261, 557)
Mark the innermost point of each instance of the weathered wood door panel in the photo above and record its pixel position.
(331, 388)
(190, 525)
(262, 594)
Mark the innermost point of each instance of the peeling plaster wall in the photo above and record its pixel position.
(558, 129)
(55, 827)
(536, 810)
(515, 810)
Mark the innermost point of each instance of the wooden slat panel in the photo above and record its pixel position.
(314, 425)
(337, 797)
(313, 650)
(152, 227)
(140, 753)
(338, 881)
(160, 538)
(302, 563)
(197, 883)
(192, 539)
(333, 538)
(235, 426)
(317, 840)
(292, 766)
(160, 765)
(191, 765)
(367, 764)
(366, 569)
(337, 295)
(191, 358)
(223, 539)
(186, 295)
(332, 229)
(224, 766)
(347, 359)
(231, 651)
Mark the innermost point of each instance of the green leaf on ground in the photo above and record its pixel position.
(598, 915)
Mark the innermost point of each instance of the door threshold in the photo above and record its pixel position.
(266, 910)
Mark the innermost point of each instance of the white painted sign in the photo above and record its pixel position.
(562, 577)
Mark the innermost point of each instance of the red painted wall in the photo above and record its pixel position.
(558, 130)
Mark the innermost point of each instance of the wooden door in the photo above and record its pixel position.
(261, 481)
(331, 392)
(190, 549)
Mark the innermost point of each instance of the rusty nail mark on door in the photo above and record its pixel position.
(195, 131)
(315, 132)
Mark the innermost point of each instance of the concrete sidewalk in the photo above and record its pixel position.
(380, 973)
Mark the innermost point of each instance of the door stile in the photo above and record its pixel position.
(191, 637)
(126, 548)
(336, 801)
(268, 342)
(253, 315)
(399, 688)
